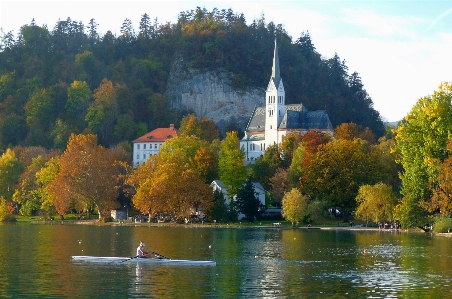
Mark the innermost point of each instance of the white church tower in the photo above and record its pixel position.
(275, 103)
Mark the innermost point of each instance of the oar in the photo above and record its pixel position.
(158, 254)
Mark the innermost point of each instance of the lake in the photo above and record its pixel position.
(251, 263)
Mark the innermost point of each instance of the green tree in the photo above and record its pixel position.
(247, 201)
(44, 177)
(421, 140)
(219, 210)
(103, 112)
(410, 213)
(10, 170)
(39, 110)
(231, 168)
(80, 98)
(294, 206)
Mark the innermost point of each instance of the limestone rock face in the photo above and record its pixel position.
(211, 95)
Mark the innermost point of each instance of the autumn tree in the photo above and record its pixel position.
(347, 131)
(6, 210)
(175, 180)
(279, 184)
(337, 171)
(170, 186)
(86, 178)
(376, 203)
(441, 201)
(204, 128)
(294, 206)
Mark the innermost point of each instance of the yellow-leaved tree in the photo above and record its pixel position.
(294, 206)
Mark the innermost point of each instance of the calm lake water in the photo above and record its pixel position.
(251, 263)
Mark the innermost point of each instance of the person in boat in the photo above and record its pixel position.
(140, 251)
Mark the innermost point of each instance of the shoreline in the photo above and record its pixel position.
(235, 226)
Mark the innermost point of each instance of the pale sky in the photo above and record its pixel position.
(401, 49)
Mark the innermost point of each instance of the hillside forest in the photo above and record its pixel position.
(71, 102)
(68, 79)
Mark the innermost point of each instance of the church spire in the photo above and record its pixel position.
(275, 70)
(276, 75)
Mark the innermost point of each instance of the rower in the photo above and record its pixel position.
(140, 251)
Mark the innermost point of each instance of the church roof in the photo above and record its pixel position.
(296, 117)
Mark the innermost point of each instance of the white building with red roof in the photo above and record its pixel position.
(150, 143)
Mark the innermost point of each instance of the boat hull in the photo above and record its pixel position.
(115, 259)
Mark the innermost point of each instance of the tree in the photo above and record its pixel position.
(218, 210)
(145, 27)
(44, 177)
(39, 110)
(347, 131)
(6, 210)
(10, 170)
(294, 206)
(376, 203)
(80, 98)
(247, 201)
(103, 112)
(231, 168)
(25, 194)
(441, 200)
(204, 128)
(287, 148)
(421, 141)
(86, 178)
(410, 213)
(169, 187)
(279, 184)
(338, 169)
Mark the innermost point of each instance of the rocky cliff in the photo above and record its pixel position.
(210, 95)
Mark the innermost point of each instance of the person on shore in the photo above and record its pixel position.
(140, 251)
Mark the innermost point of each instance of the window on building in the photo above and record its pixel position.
(138, 146)
(144, 146)
(138, 156)
(155, 145)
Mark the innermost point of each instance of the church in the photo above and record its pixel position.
(269, 124)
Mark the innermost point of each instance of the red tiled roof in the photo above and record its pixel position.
(158, 135)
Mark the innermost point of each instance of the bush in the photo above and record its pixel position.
(6, 211)
(442, 224)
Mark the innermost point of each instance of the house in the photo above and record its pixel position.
(258, 189)
(269, 124)
(150, 143)
(118, 214)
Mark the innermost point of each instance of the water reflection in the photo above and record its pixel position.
(254, 263)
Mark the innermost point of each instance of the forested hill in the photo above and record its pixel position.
(69, 79)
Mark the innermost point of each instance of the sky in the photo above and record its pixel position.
(402, 50)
